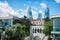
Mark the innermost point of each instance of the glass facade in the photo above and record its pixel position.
(29, 12)
(5, 22)
(56, 24)
(39, 15)
(47, 12)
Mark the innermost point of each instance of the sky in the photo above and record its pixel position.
(19, 7)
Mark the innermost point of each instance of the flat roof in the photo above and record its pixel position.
(37, 27)
(55, 15)
(6, 17)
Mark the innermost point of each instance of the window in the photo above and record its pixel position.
(5, 22)
(56, 24)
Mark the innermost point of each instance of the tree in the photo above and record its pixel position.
(18, 29)
(24, 21)
(48, 26)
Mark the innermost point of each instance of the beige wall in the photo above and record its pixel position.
(37, 22)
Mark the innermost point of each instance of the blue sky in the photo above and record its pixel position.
(37, 5)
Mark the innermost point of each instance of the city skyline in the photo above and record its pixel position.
(37, 6)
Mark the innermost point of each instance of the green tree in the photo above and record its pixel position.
(18, 29)
(48, 26)
(24, 21)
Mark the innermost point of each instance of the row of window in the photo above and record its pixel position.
(37, 30)
(56, 24)
(5, 22)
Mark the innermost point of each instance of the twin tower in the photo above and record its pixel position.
(46, 13)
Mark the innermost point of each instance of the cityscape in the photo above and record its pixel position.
(29, 19)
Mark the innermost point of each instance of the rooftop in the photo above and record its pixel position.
(55, 16)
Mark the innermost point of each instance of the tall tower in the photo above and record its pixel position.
(29, 13)
(47, 13)
(39, 15)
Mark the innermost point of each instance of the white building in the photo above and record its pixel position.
(36, 32)
(36, 28)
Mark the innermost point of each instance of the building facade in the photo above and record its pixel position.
(39, 22)
(36, 32)
(39, 15)
(5, 20)
(56, 26)
(29, 13)
(47, 13)
(36, 28)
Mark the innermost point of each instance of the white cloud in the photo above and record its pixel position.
(29, 1)
(24, 13)
(19, 10)
(43, 5)
(35, 14)
(40, 12)
(57, 1)
(24, 4)
(6, 9)
(34, 8)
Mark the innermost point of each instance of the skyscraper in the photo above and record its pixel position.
(39, 15)
(29, 13)
(47, 13)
